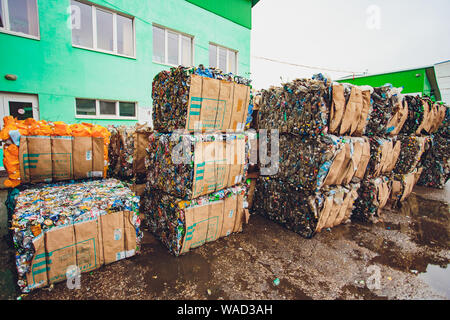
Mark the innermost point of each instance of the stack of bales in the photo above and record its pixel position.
(389, 111)
(62, 228)
(423, 146)
(436, 160)
(196, 159)
(322, 153)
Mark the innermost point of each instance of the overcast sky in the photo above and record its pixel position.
(348, 35)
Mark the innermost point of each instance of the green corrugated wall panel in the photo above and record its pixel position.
(406, 79)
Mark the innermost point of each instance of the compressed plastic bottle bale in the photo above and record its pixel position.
(424, 116)
(389, 112)
(384, 153)
(350, 109)
(300, 212)
(184, 97)
(372, 198)
(127, 152)
(188, 166)
(299, 107)
(403, 184)
(71, 216)
(436, 160)
(310, 163)
(183, 225)
(411, 150)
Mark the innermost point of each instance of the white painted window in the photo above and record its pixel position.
(105, 109)
(102, 29)
(223, 58)
(171, 47)
(19, 17)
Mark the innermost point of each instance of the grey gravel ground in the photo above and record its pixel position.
(409, 251)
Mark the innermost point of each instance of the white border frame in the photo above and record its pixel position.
(98, 116)
(94, 8)
(6, 25)
(228, 53)
(180, 43)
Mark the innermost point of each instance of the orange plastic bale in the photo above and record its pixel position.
(61, 129)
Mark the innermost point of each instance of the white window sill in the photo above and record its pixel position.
(105, 118)
(104, 51)
(19, 34)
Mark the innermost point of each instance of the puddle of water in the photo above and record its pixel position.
(167, 271)
(418, 206)
(438, 278)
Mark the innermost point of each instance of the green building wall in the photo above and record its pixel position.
(58, 73)
(408, 79)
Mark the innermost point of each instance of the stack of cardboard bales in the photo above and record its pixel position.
(389, 112)
(322, 153)
(418, 145)
(196, 159)
(436, 160)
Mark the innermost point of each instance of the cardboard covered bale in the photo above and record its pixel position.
(424, 116)
(312, 164)
(48, 148)
(47, 159)
(411, 150)
(436, 160)
(304, 214)
(301, 107)
(403, 185)
(199, 99)
(384, 153)
(58, 226)
(308, 107)
(184, 225)
(372, 198)
(350, 109)
(389, 112)
(189, 166)
(127, 152)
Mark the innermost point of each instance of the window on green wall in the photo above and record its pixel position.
(172, 47)
(223, 58)
(102, 29)
(105, 109)
(19, 17)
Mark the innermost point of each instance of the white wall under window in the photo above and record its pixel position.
(105, 109)
(171, 47)
(223, 58)
(19, 17)
(101, 29)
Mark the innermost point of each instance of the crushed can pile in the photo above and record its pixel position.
(84, 224)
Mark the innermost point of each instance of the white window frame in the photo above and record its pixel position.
(106, 117)
(228, 54)
(6, 26)
(180, 48)
(94, 8)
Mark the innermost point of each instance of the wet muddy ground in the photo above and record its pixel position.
(406, 256)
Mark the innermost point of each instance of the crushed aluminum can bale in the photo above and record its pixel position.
(182, 225)
(58, 225)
